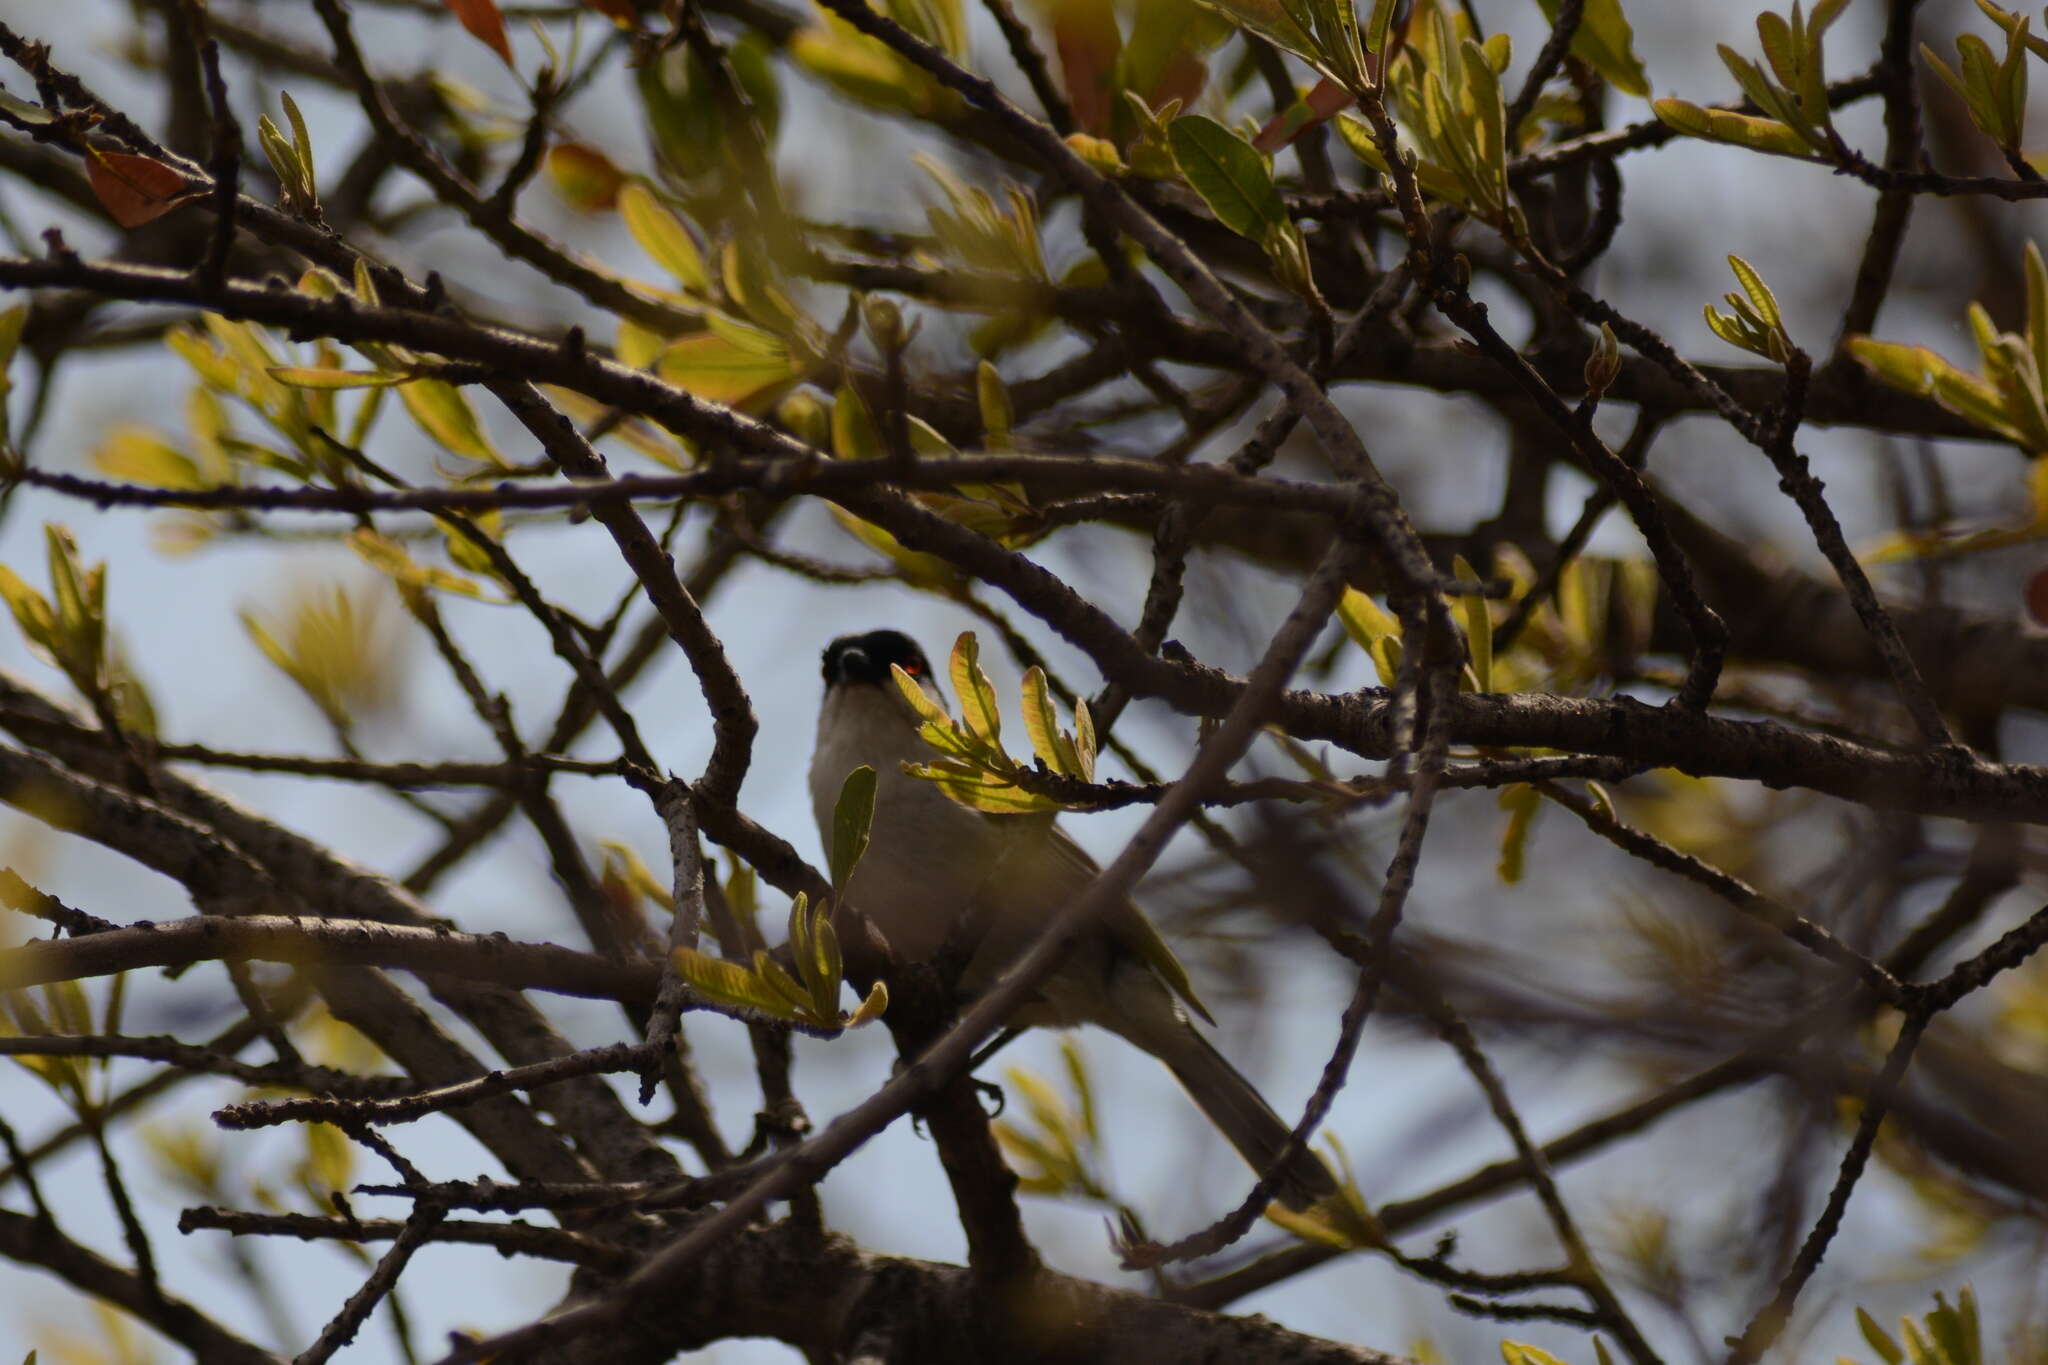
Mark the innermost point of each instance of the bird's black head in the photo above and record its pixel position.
(866, 658)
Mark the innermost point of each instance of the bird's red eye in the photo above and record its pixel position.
(915, 668)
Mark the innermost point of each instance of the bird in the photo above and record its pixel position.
(929, 859)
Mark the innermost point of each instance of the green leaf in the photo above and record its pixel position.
(794, 995)
(920, 701)
(942, 23)
(445, 414)
(31, 610)
(26, 111)
(1364, 619)
(1744, 130)
(1760, 296)
(723, 368)
(12, 322)
(864, 69)
(1374, 33)
(979, 709)
(1776, 37)
(743, 895)
(1946, 1326)
(973, 785)
(1041, 723)
(854, 433)
(851, 818)
(1233, 180)
(1521, 1353)
(1521, 802)
(918, 569)
(622, 861)
(1084, 739)
(138, 455)
(389, 557)
(1910, 368)
(662, 235)
(821, 972)
(996, 411)
(638, 347)
(1606, 40)
(316, 377)
(1273, 20)
(728, 984)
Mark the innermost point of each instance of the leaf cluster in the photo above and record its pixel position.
(1948, 1334)
(1445, 89)
(1754, 323)
(807, 999)
(69, 629)
(2006, 398)
(765, 991)
(1796, 119)
(973, 767)
(1993, 88)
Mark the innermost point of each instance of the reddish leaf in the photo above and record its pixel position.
(619, 12)
(484, 23)
(1318, 105)
(1183, 80)
(1086, 35)
(135, 189)
(2037, 597)
(584, 177)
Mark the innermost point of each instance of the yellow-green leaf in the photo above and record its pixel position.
(729, 984)
(1760, 296)
(315, 377)
(1521, 802)
(979, 709)
(662, 235)
(1521, 1353)
(721, 370)
(387, 556)
(870, 1008)
(1041, 724)
(1606, 40)
(138, 455)
(1744, 130)
(445, 414)
(1478, 626)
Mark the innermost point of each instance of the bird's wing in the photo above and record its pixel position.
(1128, 926)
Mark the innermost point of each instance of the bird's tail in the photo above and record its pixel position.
(1239, 1113)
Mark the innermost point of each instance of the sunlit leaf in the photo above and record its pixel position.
(445, 414)
(1606, 40)
(135, 190)
(662, 235)
(718, 368)
(979, 709)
